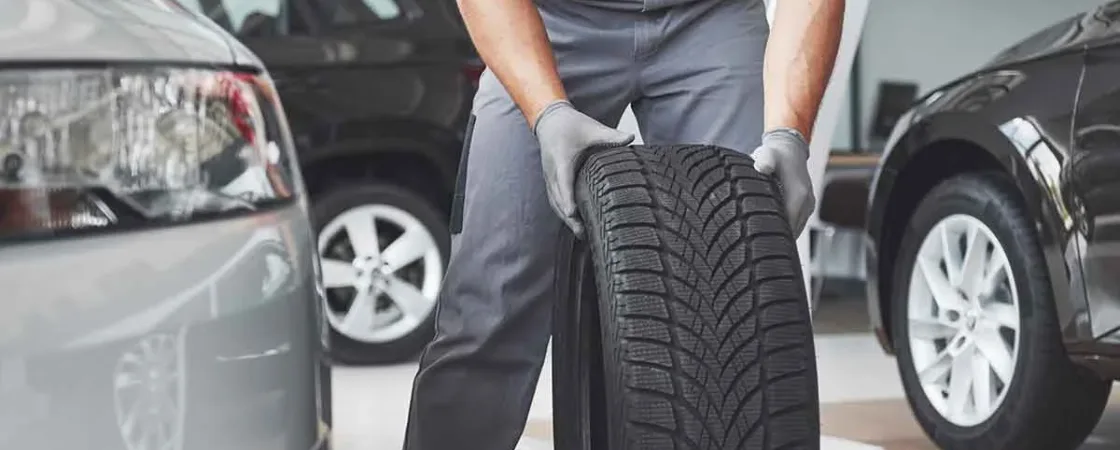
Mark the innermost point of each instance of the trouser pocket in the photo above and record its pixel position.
(461, 180)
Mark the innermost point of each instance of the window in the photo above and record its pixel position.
(354, 12)
(244, 18)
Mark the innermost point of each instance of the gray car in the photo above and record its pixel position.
(159, 285)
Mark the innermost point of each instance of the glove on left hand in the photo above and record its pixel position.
(564, 135)
(785, 154)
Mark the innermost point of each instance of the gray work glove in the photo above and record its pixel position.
(564, 135)
(784, 153)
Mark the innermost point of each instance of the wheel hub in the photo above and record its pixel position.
(971, 318)
(370, 273)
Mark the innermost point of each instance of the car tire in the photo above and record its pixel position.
(395, 209)
(1031, 384)
(689, 325)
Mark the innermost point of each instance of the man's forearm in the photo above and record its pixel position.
(799, 57)
(511, 40)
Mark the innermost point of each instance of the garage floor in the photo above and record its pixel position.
(862, 403)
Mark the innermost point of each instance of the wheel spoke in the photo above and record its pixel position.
(362, 231)
(991, 345)
(1002, 314)
(936, 371)
(943, 293)
(410, 300)
(930, 328)
(131, 358)
(128, 422)
(338, 273)
(994, 270)
(409, 247)
(975, 260)
(952, 262)
(981, 382)
(960, 382)
(162, 436)
(125, 380)
(359, 318)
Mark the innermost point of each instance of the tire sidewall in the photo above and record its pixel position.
(979, 199)
(334, 201)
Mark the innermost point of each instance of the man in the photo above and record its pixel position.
(560, 74)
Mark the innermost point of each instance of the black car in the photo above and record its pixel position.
(378, 93)
(994, 243)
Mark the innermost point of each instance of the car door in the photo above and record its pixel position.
(398, 60)
(1091, 177)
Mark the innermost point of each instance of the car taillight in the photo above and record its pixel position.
(473, 70)
(91, 149)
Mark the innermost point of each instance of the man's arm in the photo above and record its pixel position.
(799, 58)
(510, 37)
(511, 40)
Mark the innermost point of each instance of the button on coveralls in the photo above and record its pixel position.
(692, 71)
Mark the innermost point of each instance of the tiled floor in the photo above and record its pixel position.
(863, 407)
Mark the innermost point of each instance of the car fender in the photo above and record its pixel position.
(921, 132)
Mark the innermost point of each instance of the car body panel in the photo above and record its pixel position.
(233, 298)
(110, 30)
(1091, 183)
(208, 332)
(1072, 34)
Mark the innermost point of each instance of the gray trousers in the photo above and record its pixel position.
(693, 74)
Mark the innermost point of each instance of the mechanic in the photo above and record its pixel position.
(560, 74)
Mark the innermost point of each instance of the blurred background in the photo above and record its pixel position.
(376, 95)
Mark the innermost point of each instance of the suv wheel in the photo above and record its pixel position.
(978, 341)
(383, 251)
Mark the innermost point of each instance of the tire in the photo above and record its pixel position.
(1044, 386)
(393, 205)
(690, 327)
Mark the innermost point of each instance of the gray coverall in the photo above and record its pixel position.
(692, 71)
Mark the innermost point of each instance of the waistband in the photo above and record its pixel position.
(641, 5)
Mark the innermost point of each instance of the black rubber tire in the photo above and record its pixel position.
(690, 327)
(1052, 404)
(336, 199)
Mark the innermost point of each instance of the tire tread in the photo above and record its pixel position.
(707, 335)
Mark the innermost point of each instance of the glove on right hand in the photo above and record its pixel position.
(564, 135)
(785, 155)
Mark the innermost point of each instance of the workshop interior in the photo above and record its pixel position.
(226, 224)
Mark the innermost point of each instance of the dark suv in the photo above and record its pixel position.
(378, 93)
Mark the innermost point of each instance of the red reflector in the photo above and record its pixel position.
(473, 73)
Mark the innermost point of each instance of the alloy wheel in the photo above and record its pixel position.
(963, 320)
(149, 394)
(382, 270)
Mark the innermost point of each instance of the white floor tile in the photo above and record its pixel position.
(853, 367)
(833, 443)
